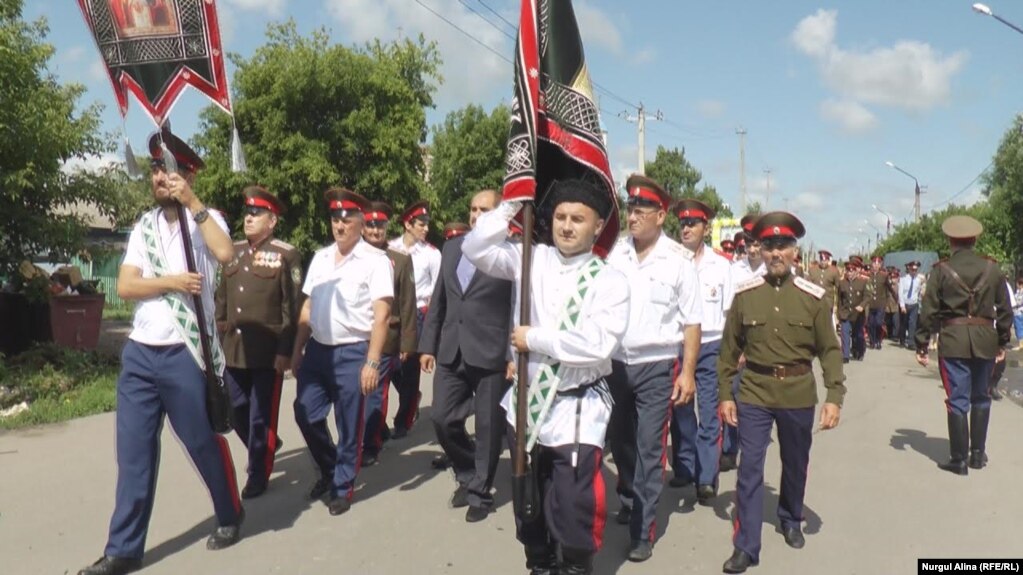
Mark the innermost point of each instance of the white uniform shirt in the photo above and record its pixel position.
(716, 292)
(153, 323)
(341, 295)
(906, 297)
(425, 265)
(663, 291)
(741, 271)
(584, 353)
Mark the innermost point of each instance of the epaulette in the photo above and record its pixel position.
(750, 284)
(682, 250)
(810, 287)
(281, 244)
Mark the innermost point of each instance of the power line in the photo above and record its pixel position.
(498, 14)
(481, 17)
(966, 187)
(468, 35)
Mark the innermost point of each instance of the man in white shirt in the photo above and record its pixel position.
(695, 440)
(664, 304)
(426, 266)
(579, 313)
(160, 373)
(338, 345)
(909, 303)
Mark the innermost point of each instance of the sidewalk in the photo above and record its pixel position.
(875, 501)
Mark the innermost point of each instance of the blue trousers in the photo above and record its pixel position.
(729, 434)
(966, 383)
(795, 434)
(696, 441)
(912, 312)
(256, 397)
(158, 380)
(875, 323)
(1017, 324)
(329, 377)
(376, 407)
(852, 338)
(406, 382)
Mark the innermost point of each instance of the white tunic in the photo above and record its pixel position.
(341, 295)
(663, 291)
(716, 293)
(741, 271)
(585, 352)
(425, 266)
(153, 323)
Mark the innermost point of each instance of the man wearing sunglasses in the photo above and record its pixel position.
(780, 323)
(257, 310)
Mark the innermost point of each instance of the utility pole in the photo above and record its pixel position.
(767, 200)
(916, 202)
(742, 166)
(640, 119)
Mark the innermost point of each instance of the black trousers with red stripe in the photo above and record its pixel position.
(572, 510)
(256, 397)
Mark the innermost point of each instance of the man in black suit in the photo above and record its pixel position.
(465, 338)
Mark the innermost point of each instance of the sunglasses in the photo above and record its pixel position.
(376, 224)
(690, 222)
(255, 211)
(776, 243)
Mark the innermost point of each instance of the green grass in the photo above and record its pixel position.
(118, 313)
(59, 384)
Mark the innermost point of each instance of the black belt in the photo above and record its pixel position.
(780, 371)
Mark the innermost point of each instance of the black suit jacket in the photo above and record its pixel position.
(476, 322)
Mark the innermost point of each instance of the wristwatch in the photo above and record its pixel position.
(201, 216)
(373, 363)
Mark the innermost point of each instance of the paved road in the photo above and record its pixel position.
(875, 501)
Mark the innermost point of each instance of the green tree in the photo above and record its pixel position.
(673, 171)
(312, 115)
(42, 127)
(1004, 190)
(754, 208)
(926, 235)
(467, 155)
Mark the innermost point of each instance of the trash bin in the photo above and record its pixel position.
(75, 320)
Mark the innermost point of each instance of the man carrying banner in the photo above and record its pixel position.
(257, 309)
(162, 367)
(665, 306)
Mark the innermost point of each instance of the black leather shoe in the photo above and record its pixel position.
(280, 444)
(978, 459)
(738, 562)
(460, 498)
(728, 462)
(680, 482)
(226, 535)
(959, 444)
(624, 515)
(441, 462)
(476, 514)
(794, 537)
(399, 433)
(369, 459)
(253, 489)
(704, 493)
(112, 566)
(641, 551)
(844, 360)
(338, 505)
(320, 488)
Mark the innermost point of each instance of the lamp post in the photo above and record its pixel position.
(888, 225)
(916, 194)
(985, 10)
(875, 229)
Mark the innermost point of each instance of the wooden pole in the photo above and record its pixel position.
(525, 317)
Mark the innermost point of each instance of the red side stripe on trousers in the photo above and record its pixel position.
(271, 433)
(600, 501)
(943, 370)
(232, 479)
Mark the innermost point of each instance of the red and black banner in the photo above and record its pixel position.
(555, 132)
(155, 48)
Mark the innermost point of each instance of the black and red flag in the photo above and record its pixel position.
(154, 49)
(555, 132)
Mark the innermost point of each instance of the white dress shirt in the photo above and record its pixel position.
(741, 271)
(663, 298)
(716, 292)
(425, 266)
(153, 322)
(584, 352)
(341, 295)
(905, 296)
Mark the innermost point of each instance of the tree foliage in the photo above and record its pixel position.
(41, 128)
(1004, 190)
(313, 115)
(467, 155)
(679, 178)
(926, 235)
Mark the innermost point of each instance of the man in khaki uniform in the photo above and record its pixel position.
(257, 308)
(852, 302)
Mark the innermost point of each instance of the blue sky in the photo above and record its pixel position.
(827, 92)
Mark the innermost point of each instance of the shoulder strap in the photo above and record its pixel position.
(971, 291)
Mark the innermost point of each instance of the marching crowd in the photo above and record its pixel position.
(629, 344)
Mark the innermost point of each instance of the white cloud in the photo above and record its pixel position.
(850, 116)
(91, 163)
(711, 108)
(908, 75)
(269, 7)
(598, 29)
(644, 56)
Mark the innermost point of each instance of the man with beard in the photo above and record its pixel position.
(695, 436)
(465, 345)
(780, 323)
(426, 264)
(401, 330)
(877, 283)
(644, 370)
(579, 314)
(161, 372)
(852, 301)
(339, 345)
(257, 309)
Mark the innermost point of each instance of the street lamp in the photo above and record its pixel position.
(983, 9)
(916, 195)
(888, 226)
(875, 229)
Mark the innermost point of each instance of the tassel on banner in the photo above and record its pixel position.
(237, 154)
(131, 165)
